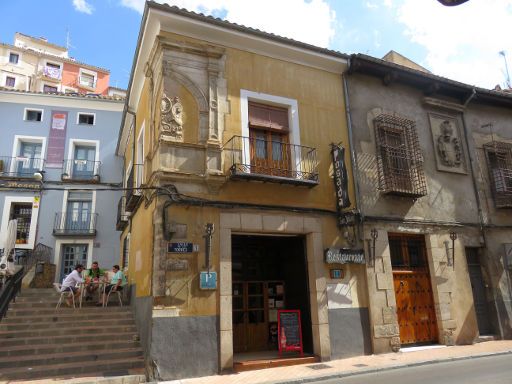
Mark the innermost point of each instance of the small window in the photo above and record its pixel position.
(33, 115)
(88, 80)
(52, 65)
(499, 162)
(10, 81)
(14, 58)
(49, 89)
(86, 118)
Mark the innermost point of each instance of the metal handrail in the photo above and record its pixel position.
(78, 169)
(75, 223)
(20, 166)
(9, 289)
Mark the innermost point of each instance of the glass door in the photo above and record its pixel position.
(78, 216)
(29, 159)
(83, 162)
(72, 254)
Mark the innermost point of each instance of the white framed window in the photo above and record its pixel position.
(276, 101)
(69, 89)
(10, 81)
(60, 251)
(140, 156)
(28, 153)
(78, 209)
(26, 210)
(86, 118)
(49, 88)
(52, 70)
(83, 158)
(87, 78)
(14, 58)
(33, 114)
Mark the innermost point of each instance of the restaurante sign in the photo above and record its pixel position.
(344, 256)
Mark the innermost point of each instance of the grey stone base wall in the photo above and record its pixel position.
(349, 331)
(142, 309)
(183, 347)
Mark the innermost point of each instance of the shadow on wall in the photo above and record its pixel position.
(469, 330)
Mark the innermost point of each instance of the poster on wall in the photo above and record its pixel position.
(57, 139)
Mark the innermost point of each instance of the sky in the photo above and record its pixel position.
(461, 43)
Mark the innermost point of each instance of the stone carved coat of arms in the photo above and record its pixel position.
(171, 120)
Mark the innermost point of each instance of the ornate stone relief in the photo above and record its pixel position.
(449, 151)
(171, 119)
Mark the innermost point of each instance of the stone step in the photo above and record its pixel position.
(67, 339)
(62, 331)
(63, 310)
(129, 376)
(77, 315)
(89, 368)
(69, 357)
(59, 322)
(42, 349)
(37, 291)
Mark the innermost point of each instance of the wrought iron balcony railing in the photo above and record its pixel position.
(81, 170)
(19, 166)
(75, 223)
(122, 215)
(271, 161)
(135, 180)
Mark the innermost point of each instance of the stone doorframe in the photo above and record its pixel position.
(308, 226)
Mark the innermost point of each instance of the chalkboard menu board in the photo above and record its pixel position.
(289, 331)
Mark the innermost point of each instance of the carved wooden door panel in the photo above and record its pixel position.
(413, 291)
(270, 153)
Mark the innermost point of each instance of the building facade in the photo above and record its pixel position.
(228, 137)
(58, 173)
(433, 200)
(34, 64)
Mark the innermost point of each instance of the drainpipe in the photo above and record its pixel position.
(353, 157)
(477, 195)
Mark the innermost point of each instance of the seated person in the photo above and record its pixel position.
(92, 277)
(70, 282)
(116, 284)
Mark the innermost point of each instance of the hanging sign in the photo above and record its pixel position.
(344, 256)
(289, 336)
(340, 177)
(182, 247)
(57, 139)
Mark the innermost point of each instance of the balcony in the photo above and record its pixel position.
(52, 73)
(270, 161)
(86, 83)
(20, 167)
(133, 194)
(81, 170)
(75, 223)
(122, 215)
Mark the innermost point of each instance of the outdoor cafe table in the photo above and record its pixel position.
(101, 289)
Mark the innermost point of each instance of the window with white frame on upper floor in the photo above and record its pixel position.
(49, 89)
(86, 118)
(33, 114)
(10, 81)
(499, 162)
(14, 58)
(399, 158)
(87, 79)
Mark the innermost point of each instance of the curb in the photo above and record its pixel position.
(386, 368)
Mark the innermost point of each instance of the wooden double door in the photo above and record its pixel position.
(413, 290)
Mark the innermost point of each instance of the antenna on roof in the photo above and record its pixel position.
(502, 53)
(68, 40)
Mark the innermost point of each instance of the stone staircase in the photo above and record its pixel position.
(38, 341)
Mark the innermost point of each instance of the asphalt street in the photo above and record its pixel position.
(491, 369)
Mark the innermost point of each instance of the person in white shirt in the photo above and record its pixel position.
(70, 282)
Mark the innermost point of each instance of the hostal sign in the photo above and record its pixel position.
(344, 256)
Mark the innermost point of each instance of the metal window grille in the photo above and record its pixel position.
(499, 162)
(399, 158)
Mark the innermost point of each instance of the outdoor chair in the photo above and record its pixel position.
(119, 296)
(58, 288)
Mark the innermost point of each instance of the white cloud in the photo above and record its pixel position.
(310, 21)
(462, 42)
(83, 6)
(371, 5)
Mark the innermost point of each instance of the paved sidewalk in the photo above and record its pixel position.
(355, 365)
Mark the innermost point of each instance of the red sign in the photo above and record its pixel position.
(289, 331)
(57, 139)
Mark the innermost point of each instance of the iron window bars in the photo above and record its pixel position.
(499, 162)
(399, 158)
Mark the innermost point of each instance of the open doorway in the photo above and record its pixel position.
(269, 273)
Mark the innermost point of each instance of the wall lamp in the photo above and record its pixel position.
(374, 234)
(450, 252)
